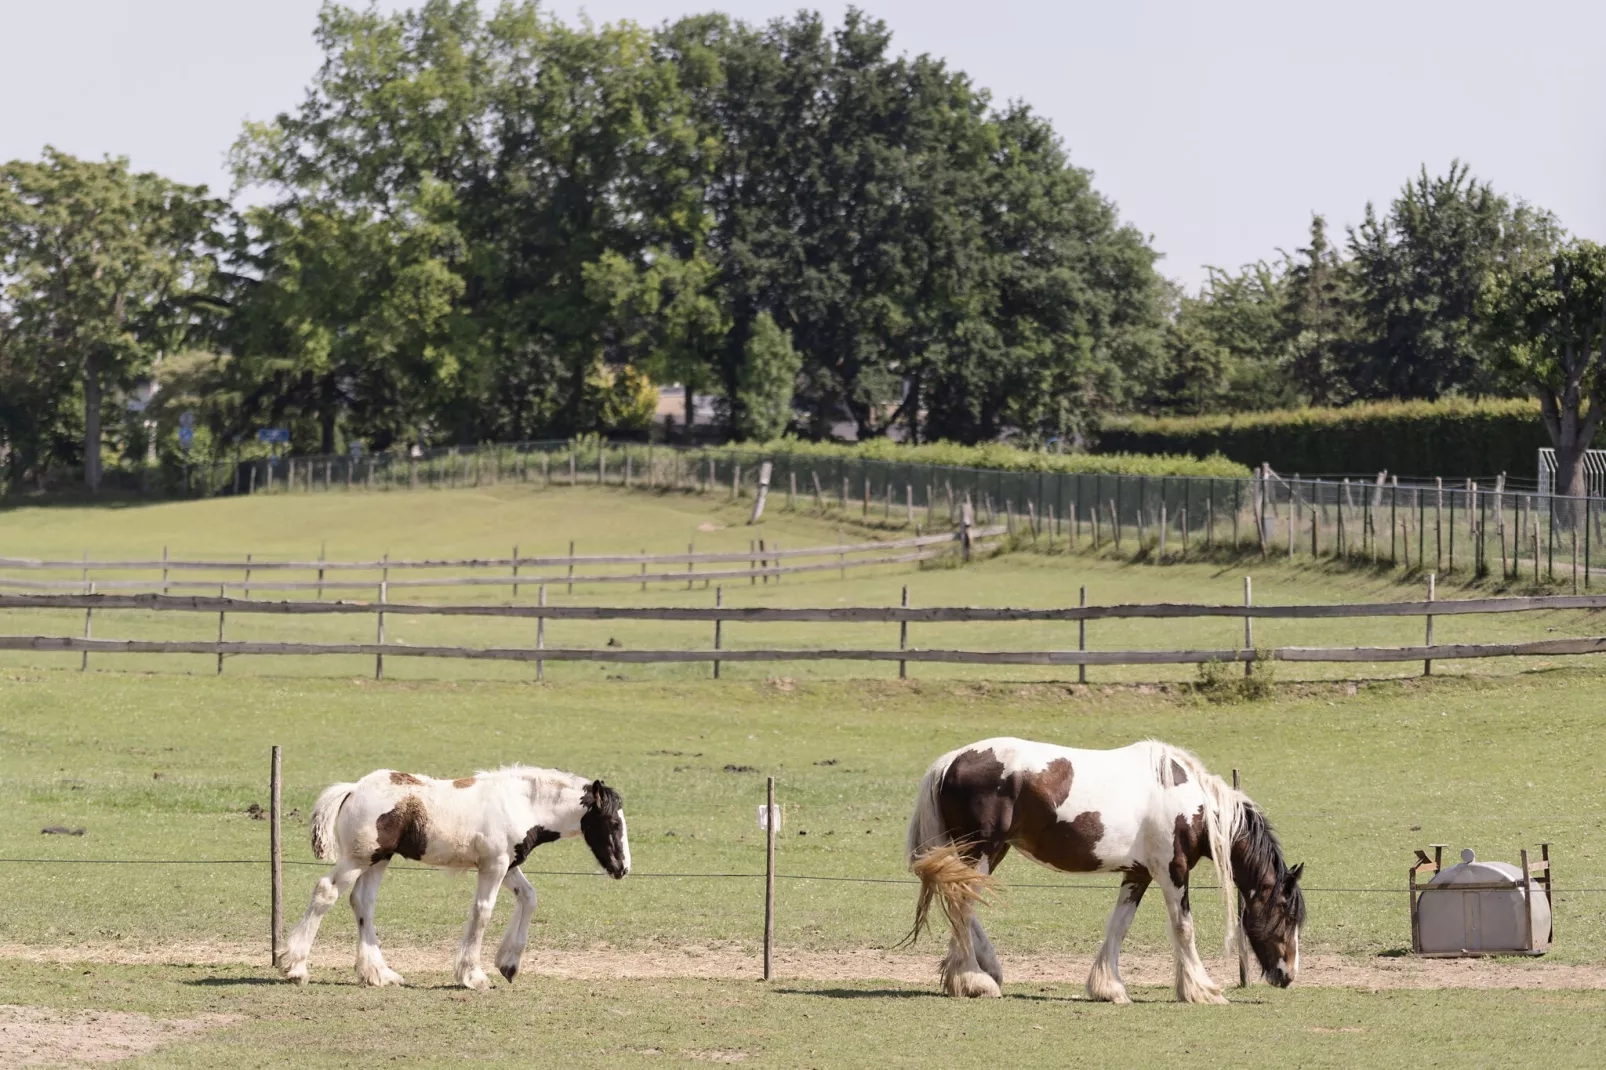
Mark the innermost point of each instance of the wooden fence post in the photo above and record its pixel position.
(164, 569)
(1081, 640)
(763, 492)
(221, 593)
(247, 592)
(1427, 663)
(1438, 523)
(384, 596)
(276, 856)
(903, 637)
(691, 548)
(909, 504)
(967, 520)
(1249, 626)
(540, 635)
(323, 550)
(769, 877)
(571, 566)
(719, 601)
(736, 480)
(791, 492)
(644, 570)
(515, 570)
(83, 664)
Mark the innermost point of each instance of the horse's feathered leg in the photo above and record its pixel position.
(331, 886)
(1104, 982)
(511, 950)
(371, 968)
(467, 970)
(1193, 982)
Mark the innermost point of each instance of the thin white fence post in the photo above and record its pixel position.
(1243, 964)
(769, 877)
(276, 855)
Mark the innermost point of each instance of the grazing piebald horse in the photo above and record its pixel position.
(1149, 811)
(488, 822)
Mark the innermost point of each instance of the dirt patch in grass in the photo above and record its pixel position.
(40, 1036)
(724, 963)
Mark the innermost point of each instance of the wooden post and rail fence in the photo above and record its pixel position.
(722, 614)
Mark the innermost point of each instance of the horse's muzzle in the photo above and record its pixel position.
(1279, 977)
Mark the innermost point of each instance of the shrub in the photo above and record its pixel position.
(997, 455)
(1453, 437)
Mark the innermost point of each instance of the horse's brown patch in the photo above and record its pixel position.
(1179, 775)
(402, 831)
(977, 805)
(463, 782)
(1068, 845)
(1053, 783)
(1189, 843)
(401, 779)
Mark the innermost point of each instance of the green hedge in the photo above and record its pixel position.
(1452, 438)
(996, 455)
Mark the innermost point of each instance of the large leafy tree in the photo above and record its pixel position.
(1419, 271)
(102, 270)
(1546, 320)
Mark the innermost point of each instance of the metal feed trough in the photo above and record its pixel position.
(1480, 908)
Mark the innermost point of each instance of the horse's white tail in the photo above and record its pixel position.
(324, 813)
(1223, 814)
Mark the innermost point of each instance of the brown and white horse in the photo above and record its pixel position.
(1149, 811)
(488, 822)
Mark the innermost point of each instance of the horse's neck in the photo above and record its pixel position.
(554, 796)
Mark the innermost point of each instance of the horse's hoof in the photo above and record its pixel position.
(509, 972)
(476, 980)
(391, 977)
(974, 985)
(297, 974)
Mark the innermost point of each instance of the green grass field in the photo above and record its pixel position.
(159, 759)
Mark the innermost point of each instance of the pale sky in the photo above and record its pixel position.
(1216, 127)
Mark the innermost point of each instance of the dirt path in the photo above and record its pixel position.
(39, 1036)
(866, 965)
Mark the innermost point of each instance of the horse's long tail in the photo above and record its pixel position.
(324, 813)
(1224, 806)
(946, 875)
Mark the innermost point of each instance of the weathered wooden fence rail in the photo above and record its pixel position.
(763, 563)
(828, 615)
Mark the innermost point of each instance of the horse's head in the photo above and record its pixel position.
(1274, 911)
(1274, 906)
(602, 822)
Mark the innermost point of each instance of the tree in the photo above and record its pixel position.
(1546, 318)
(1419, 272)
(764, 392)
(102, 270)
(1318, 320)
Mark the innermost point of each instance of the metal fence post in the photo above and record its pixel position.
(903, 637)
(1081, 640)
(719, 601)
(1249, 626)
(1427, 663)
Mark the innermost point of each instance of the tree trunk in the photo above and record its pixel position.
(92, 400)
(1571, 432)
(326, 416)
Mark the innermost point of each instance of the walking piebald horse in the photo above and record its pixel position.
(1149, 811)
(488, 822)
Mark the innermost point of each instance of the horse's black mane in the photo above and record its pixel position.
(601, 798)
(1263, 853)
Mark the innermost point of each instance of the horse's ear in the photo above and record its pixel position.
(1294, 875)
